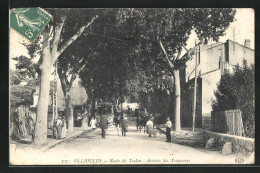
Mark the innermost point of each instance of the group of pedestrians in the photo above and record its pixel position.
(152, 131)
(59, 129)
(122, 122)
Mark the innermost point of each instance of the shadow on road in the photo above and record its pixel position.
(195, 141)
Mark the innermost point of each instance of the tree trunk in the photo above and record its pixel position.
(84, 125)
(85, 114)
(177, 101)
(69, 112)
(93, 106)
(49, 56)
(42, 108)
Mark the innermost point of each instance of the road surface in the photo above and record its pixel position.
(136, 148)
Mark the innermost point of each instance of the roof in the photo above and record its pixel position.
(220, 43)
(214, 45)
(240, 44)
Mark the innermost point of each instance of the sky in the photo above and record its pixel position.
(243, 28)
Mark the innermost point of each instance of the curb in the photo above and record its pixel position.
(51, 145)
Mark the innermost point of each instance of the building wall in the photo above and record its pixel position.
(237, 52)
(211, 62)
(209, 85)
(187, 101)
(78, 95)
(207, 60)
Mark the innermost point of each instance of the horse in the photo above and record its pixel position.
(143, 122)
(139, 123)
(117, 123)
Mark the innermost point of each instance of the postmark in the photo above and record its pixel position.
(29, 22)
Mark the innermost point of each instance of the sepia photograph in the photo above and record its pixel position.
(131, 86)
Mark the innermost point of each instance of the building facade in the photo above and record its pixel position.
(78, 96)
(212, 61)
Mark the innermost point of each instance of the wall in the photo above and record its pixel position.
(78, 95)
(206, 122)
(209, 85)
(207, 60)
(187, 104)
(239, 144)
(237, 52)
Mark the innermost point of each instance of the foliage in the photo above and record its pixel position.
(173, 27)
(125, 59)
(21, 95)
(25, 66)
(236, 91)
(15, 77)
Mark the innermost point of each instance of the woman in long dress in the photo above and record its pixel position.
(149, 125)
(63, 128)
(93, 123)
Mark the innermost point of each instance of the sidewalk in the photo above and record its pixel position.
(26, 144)
(186, 137)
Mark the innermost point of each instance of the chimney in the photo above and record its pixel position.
(247, 43)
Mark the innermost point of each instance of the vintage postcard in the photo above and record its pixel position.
(131, 86)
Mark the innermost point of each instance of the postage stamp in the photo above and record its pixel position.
(29, 22)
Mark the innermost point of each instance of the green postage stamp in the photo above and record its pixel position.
(29, 22)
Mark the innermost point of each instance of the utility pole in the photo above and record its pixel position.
(195, 92)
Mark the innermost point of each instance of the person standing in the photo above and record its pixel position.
(138, 119)
(149, 125)
(54, 129)
(93, 123)
(128, 111)
(124, 125)
(63, 127)
(59, 127)
(117, 124)
(103, 125)
(31, 126)
(168, 129)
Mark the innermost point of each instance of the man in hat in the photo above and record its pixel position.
(168, 129)
(103, 125)
(124, 124)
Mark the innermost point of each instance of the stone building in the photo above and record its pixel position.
(212, 61)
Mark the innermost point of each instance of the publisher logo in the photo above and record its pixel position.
(239, 160)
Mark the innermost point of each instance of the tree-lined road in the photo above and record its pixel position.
(135, 148)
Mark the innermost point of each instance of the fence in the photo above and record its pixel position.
(229, 122)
